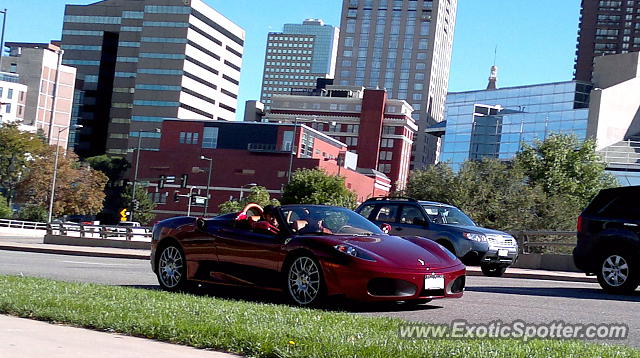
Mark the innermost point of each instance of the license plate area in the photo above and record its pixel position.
(503, 252)
(434, 282)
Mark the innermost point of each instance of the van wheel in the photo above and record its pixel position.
(618, 272)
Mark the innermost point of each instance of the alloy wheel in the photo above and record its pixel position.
(171, 267)
(615, 270)
(304, 280)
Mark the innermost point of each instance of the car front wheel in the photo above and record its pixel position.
(619, 272)
(493, 270)
(304, 281)
(172, 268)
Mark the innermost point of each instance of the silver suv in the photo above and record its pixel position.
(493, 250)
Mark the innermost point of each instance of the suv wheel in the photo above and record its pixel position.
(618, 272)
(493, 270)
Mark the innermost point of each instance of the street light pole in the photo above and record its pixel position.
(206, 205)
(135, 174)
(242, 189)
(293, 141)
(52, 122)
(55, 171)
(4, 21)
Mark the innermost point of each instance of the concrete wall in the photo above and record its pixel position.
(552, 262)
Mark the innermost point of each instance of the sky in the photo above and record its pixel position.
(535, 40)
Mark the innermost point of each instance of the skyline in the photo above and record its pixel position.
(540, 50)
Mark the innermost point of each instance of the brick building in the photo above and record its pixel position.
(380, 130)
(244, 153)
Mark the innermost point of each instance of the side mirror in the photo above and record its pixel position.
(419, 221)
(386, 228)
(201, 224)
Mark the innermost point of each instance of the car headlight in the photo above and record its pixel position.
(475, 237)
(352, 251)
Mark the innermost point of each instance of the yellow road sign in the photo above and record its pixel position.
(123, 215)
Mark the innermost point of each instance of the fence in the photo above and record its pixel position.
(99, 231)
(561, 242)
(18, 224)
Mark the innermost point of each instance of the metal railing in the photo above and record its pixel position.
(545, 241)
(625, 152)
(99, 231)
(19, 224)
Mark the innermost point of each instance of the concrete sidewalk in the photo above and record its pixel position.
(17, 244)
(34, 339)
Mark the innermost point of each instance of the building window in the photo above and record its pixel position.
(10, 94)
(210, 137)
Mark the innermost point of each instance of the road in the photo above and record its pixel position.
(485, 300)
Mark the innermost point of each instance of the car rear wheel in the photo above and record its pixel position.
(172, 268)
(304, 281)
(493, 270)
(619, 272)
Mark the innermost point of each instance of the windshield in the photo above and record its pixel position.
(447, 215)
(327, 220)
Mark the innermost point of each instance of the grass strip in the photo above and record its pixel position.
(254, 329)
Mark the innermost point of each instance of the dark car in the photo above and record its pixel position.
(493, 250)
(609, 239)
(310, 252)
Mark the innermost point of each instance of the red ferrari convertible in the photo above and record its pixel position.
(307, 251)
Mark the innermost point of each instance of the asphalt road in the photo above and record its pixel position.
(485, 300)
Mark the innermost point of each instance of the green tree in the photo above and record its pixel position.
(32, 212)
(563, 165)
(113, 167)
(257, 194)
(143, 213)
(494, 194)
(5, 209)
(17, 150)
(79, 189)
(314, 186)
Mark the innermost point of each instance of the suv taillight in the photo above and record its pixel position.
(579, 226)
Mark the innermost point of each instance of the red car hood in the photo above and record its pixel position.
(410, 253)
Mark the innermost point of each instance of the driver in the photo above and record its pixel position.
(268, 221)
(315, 225)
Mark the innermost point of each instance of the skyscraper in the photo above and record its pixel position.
(606, 27)
(141, 61)
(403, 46)
(297, 56)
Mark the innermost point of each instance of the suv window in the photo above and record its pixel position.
(411, 215)
(623, 207)
(387, 213)
(366, 210)
(447, 215)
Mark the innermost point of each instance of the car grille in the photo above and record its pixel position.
(501, 241)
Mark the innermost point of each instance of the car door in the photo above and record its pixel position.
(248, 257)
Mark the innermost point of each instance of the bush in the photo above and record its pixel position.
(33, 213)
(5, 209)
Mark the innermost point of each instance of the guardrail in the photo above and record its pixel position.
(99, 231)
(537, 241)
(18, 224)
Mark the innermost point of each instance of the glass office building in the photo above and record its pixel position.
(495, 123)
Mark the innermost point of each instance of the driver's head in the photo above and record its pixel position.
(269, 213)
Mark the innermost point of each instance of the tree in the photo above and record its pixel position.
(17, 150)
(563, 165)
(257, 194)
(79, 189)
(494, 194)
(143, 205)
(314, 186)
(32, 212)
(5, 209)
(112, 167)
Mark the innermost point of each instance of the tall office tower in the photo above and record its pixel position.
(141, 61)
(297, 57)
(606, 27)
(36, 64)
(405, 47)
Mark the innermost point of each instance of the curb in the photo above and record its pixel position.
(538, 276)
(75, 252)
